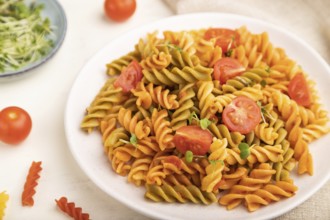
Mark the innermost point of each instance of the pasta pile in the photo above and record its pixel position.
(138, 127)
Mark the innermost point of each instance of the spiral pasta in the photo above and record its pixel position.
(183, 112)
(218, 154)
(178, 76)
(182, 87)
(116, 66)
(108, 97)
(4, 197)
(133, 124)
(179, 193)
(159, 58)
(162, 129)
(31, 183)
(71, 209)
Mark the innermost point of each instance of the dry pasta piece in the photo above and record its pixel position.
(3, 200)
(31, 183)
(71, 209)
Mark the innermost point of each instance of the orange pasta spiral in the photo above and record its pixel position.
(71, 209)
(162, 129)
(31, 183)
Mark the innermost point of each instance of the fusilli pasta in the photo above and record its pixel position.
(184, 88)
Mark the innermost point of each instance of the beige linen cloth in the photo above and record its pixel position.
(307, 19)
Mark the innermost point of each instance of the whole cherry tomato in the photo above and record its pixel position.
(119, 10)
(15, 125)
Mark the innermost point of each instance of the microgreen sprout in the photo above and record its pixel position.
(124, 141)
(214, 162)
(264, 112)
(169, 45)
(193, 116)
(203, 123)
(133, 140)
(24, 34)
(244, 150)
(261, 108)
(267, 69)
(173, 46)
(229, 53)
(189, 156)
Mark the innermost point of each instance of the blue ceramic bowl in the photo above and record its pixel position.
(54, 11)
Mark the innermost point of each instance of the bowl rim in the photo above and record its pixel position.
(51, 53)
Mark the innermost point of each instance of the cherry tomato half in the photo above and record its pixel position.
(242, 115)
(225, 38)
(193, 138)
(129, 76)
(298, 90)
(174, 160)
(119, 10)
(227, 68)
(15, 125)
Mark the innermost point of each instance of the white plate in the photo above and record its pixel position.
(88, 151)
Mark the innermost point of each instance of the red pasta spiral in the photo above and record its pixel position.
(71, 209)
(31, 183)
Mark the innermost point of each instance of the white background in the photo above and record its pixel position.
(43, 93)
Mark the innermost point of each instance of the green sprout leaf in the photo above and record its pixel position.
(264, 113)
(133, 140)
(267, 69)
(192, 116)
(204, 123)
(173, 46)
(229, 53)
(263, 83)
(244, 149)
(189, 156)
(214, 162)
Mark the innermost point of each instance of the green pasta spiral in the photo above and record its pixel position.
(177, 76)
(178, 193)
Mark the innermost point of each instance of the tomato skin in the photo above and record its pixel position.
(227, 68)
(193, 138)
(241, 115)
(119, 10)
(298, 90)
(225, 38)
(15, 125)
(174, 160)
(129, 77)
